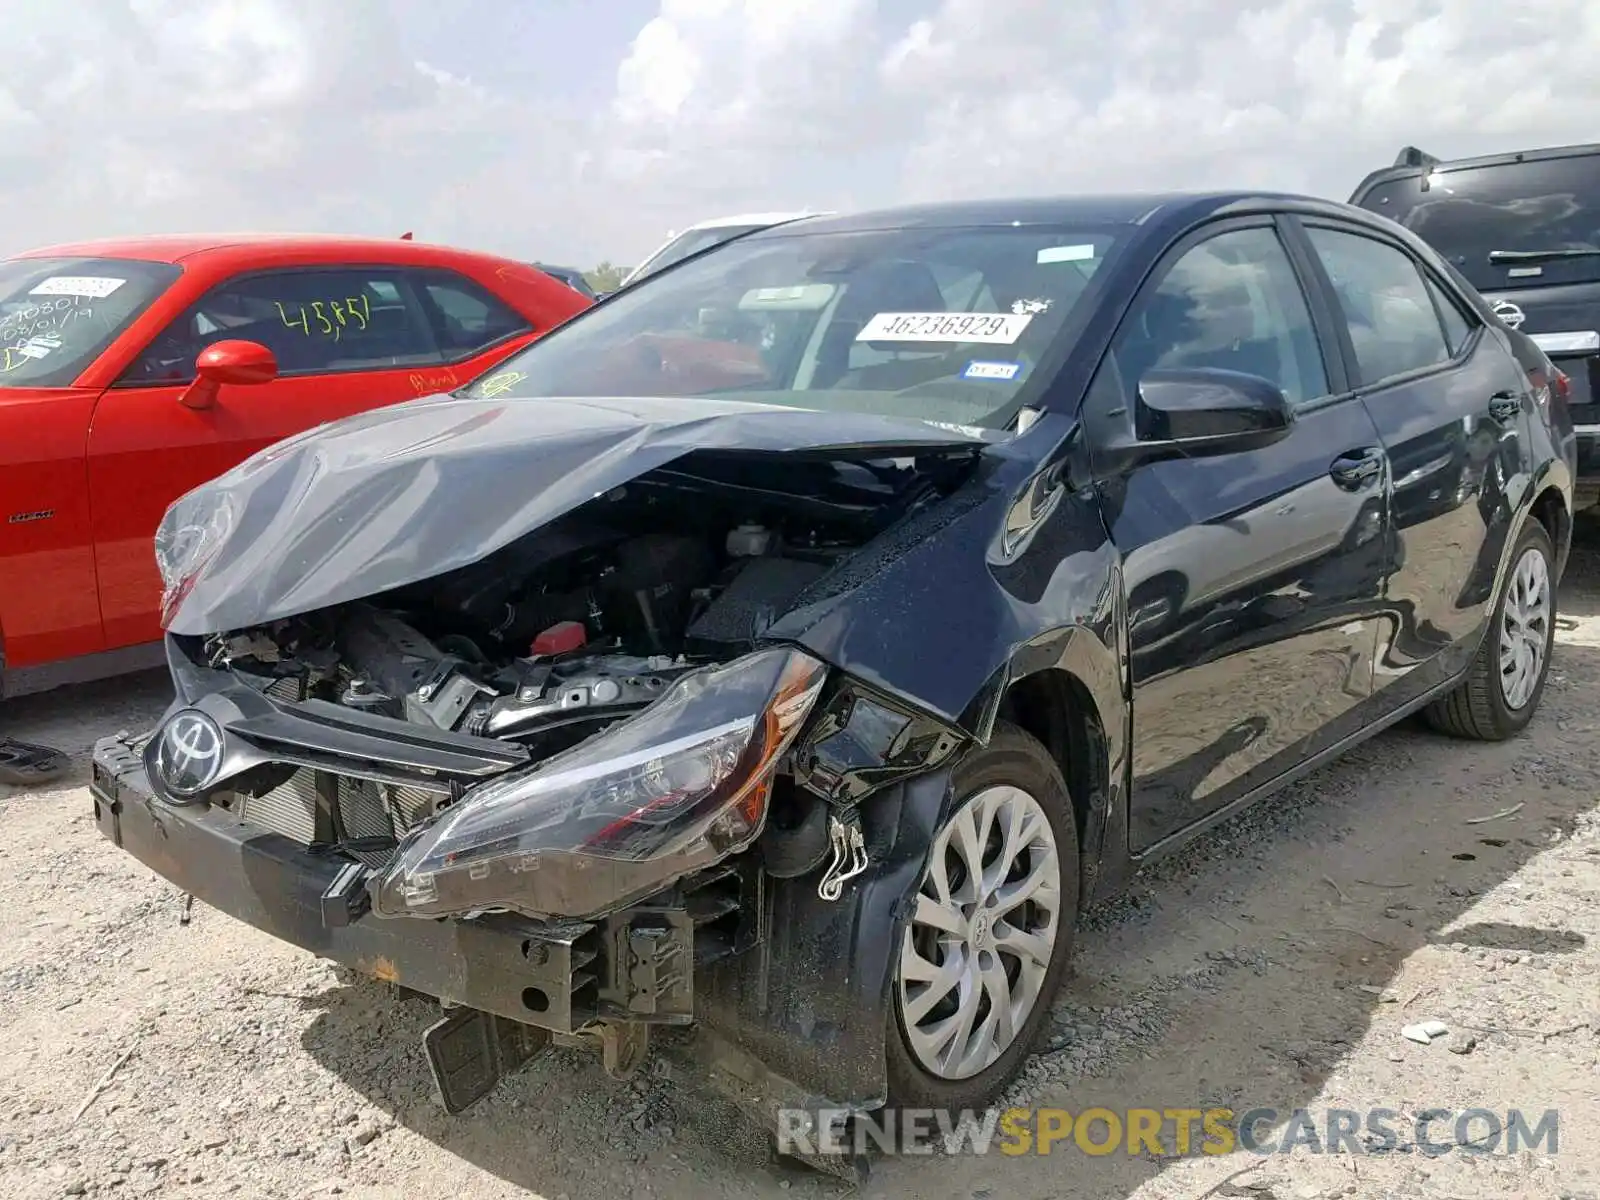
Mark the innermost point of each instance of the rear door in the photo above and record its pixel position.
(1254, 580)
(1452, 408)
(346, 339)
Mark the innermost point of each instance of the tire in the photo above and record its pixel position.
(1480, 708)
(1011, 760)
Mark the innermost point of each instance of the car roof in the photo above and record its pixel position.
(766, 218)
(1500, 159)
(185, 247)
(1100, 209)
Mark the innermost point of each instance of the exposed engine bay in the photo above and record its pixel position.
(591, 618)
(575, 762)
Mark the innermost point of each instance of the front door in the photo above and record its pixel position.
(1253, 579)
(346, 340)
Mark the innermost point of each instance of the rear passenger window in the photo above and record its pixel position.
(1457, 329)
(1394, 326)
(468, 318)
(313, 321)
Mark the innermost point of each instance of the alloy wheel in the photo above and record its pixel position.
(981, 936)
(1524, 628)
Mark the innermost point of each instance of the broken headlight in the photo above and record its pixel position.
(189, 536)
(678, 787)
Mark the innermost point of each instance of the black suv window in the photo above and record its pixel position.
(1393, 324)
(469, 319)
(313, 321)
(1232, 302)
(1465, 213)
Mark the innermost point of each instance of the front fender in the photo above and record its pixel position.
(811, 1001)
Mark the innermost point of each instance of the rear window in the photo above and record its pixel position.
(1467, 213)
(58, 314)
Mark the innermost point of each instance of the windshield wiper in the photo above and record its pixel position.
(1522, 256)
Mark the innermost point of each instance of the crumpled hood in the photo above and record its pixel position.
(405, 493)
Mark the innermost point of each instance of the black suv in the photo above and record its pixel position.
(1524, 228)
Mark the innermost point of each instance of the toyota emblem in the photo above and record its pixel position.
(189, 754)
(1510, 315)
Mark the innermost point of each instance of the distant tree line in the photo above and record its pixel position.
(605, 277)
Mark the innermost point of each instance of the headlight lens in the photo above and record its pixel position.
(676, 788)
(189, 536)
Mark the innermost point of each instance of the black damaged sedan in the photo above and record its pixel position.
(794, 644)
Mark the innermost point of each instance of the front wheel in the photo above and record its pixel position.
(1502, 689)
(990, 931)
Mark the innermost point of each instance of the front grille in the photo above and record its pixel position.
(364, 818)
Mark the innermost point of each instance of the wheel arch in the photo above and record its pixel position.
(1550, 509)
(1058, 707)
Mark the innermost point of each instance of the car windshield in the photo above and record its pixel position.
(58, 314)
(1536, 205)
(691, 242)
(945, 325)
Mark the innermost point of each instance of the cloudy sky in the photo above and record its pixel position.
(581, 130)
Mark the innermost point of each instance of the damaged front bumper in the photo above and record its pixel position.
(787, 991)
(634, 965)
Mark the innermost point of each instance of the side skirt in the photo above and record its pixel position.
(1183, 837)
(103, 664)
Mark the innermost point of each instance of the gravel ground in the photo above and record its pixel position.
(1272, 964)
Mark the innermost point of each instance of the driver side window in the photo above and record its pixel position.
(1232, 302)
(315, 321)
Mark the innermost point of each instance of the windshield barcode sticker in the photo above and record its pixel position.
(93, 287)
(992, 370)
(1055, 254)
(999, 329)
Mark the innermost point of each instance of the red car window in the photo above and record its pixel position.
(315, 320)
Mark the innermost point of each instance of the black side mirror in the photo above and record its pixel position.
(1208, 411)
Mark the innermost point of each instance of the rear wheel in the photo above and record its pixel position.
(990, 932)
(1502, 690)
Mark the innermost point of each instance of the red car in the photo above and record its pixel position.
(134, 370)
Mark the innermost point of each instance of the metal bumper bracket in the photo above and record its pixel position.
(656, 965)
(346, 898)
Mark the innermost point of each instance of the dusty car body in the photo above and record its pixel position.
(796, 635)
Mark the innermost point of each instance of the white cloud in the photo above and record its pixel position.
(1299, 95)
(150, 115)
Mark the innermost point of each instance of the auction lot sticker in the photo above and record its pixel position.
(91, 287)
(1000, 329)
